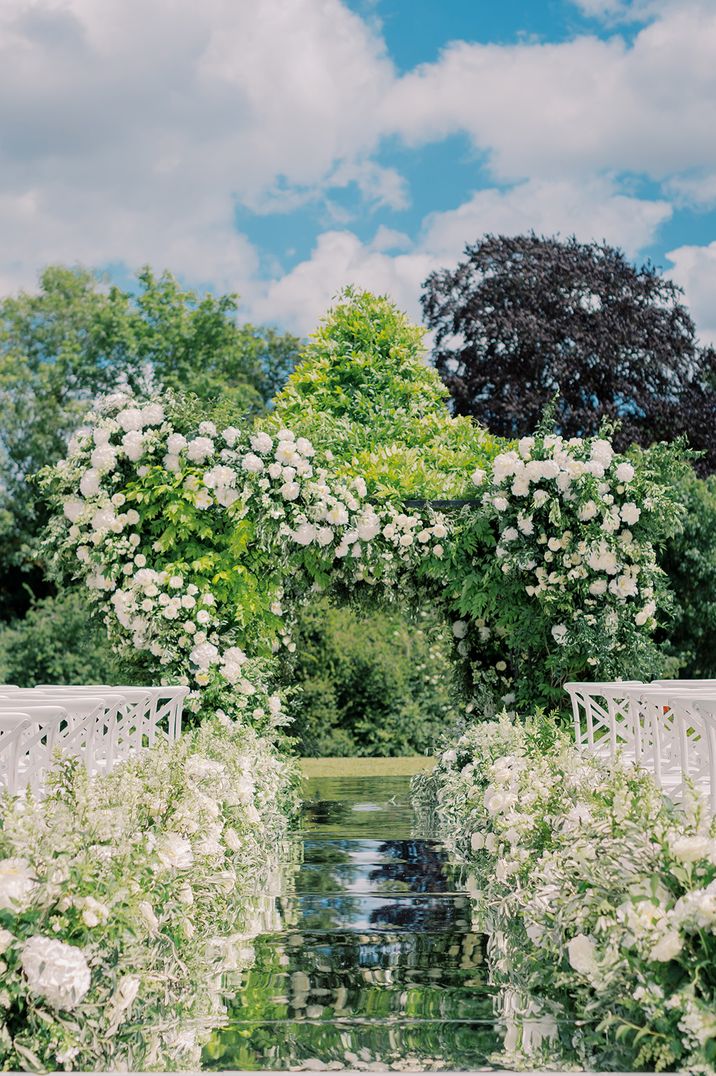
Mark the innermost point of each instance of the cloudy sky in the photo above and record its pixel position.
(284, 148)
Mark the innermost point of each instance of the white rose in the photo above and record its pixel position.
(252, 463)
(73, 509)
(587, 511)
(500, 504)
(55, 971)
(290, 491)
(133, 445)
(478, 477)
(602, 451)
(200, 449)
(230, 435)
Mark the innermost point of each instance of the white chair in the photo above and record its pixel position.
(602, 721)
(90, 729)
(28, 736)
(165, 704)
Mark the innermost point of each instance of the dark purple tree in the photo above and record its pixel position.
(525, 317)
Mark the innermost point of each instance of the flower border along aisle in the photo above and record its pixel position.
(123, 900)
(599, 896)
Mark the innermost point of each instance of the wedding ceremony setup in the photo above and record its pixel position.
(358, 536)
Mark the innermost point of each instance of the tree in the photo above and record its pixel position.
(523, 318)
(77, 337)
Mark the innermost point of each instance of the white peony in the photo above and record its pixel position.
(305, 534)
(231, 436)
(55, 971)
(204, 655)
(16, 884)
(478, 477)
(290, 491)
(133, 445)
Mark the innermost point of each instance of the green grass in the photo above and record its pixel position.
(365, 767)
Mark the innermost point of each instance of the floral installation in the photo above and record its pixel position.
(599, 896)
(125, 898)
(189, 538)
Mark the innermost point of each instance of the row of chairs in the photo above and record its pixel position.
(99, 724)
(666, 726)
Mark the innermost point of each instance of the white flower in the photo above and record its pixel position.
(503, 466)
(500, 504)
(587, 511)
(174, 851)
(252, 463)
(602, 451)
(207, 429)
(231, 435)
(582, 954)
(459, 629)
(175, 443)
(89, 483)
(338, 515)
(630, 513)
(55, 971)
(261, 442)
(559, 633)
(525, 446)
(104, 458)
(540, 497)
(147, 913)
(171, 463)
(73, 509)
(598, 587)
(324, 536)
(204, 655)
(478, 477)
(691, 849)
(131, 419)
(133, 445)
(6, 940)
(290, 491)
(304, 446)
(16, 883)
(669, 946)
(305, 534)
(625, 472)
(200, 449)
(645, 614)
(153, 414)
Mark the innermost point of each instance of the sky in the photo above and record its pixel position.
(282, 149)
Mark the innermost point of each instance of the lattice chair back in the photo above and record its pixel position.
(603, 722)
(695, 747)
(28, 737)
(706, 706)
(164, 705)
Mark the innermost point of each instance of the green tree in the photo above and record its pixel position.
(77, 337)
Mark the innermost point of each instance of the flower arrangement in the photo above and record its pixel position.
(598, 893)
(124, 899)
(199, 540)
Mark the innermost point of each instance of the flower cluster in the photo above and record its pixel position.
(598, 894)
(574, 525)
(185, 537)
(120, 893)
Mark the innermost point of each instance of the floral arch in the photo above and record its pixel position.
(199, 538)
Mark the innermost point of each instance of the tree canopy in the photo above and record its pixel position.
(526, 317)
(77, 337)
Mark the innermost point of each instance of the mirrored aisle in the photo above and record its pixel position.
(376, 964)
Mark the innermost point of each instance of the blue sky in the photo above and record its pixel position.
(285, 148)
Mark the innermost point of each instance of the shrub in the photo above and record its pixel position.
(375, 685)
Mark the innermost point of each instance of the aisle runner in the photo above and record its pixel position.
(377, 967)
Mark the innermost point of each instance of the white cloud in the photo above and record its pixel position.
(593, 210)
(694, 269)
(579, 107)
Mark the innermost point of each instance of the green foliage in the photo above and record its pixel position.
(364, 392)
(59, 641)
(77, 338)
(689, 560)
(371, 686)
